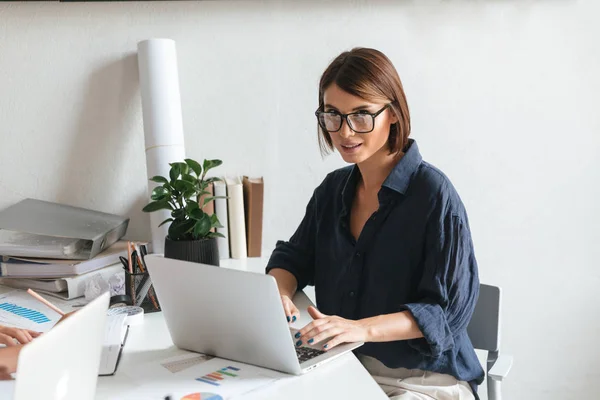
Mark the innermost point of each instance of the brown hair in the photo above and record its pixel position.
(369, 74)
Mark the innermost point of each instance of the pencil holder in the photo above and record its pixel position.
(139, 287)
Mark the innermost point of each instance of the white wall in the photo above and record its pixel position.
(503, 94)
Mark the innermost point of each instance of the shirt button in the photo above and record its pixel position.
(351, 294)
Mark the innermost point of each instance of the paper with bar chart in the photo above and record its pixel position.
(202, 396)
(20, 310)
(216, 378)
(180, 363)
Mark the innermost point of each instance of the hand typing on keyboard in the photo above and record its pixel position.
(331, 330)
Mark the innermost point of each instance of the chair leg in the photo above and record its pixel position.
(493, 389)
(493, 386)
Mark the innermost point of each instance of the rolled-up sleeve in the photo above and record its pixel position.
(449, 287)
(298, 254)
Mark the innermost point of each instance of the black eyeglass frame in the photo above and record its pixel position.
(374, 115)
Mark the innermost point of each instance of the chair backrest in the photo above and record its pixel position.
(484, 328)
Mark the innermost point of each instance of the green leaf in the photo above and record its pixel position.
(202, 227)
(178, 229)
(215, 235)
(159, 179)
(194, 165)
(213, 179)
(189, 178)
(190, 196)
(191, 206)
(178, 214)
(157, 205)
(183, 186)
(159, 193)
(214, 221)
(197, 214)
(174, 172)
(165, 221)
(210, 164)
(207, 200)
(183, 167)
(203, 192)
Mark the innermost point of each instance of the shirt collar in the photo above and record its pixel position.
(398, 180)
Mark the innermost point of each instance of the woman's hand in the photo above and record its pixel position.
(4, 374)
(333, 330)
(291, 312)
(23, 336)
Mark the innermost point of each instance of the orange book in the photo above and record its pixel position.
(253, 209)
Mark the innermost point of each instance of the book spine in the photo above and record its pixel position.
(221, 211)
(253, 202)
(237, 225)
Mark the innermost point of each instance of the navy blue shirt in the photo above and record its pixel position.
(415, 253)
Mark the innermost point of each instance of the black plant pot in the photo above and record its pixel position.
(203, 251)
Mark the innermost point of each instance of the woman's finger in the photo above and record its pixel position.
(34, 334)
(313, 325)
(315, 314)
(21, 336)
(27, 335)
(341, 338)
(317, 330)
(4, 374)
(291, 312)
(294, 312)
(326, 334)
(7, 340)
(286, 310)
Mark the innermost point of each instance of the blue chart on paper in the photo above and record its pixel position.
(31, 315)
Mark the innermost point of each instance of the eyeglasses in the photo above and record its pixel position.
(359, 122)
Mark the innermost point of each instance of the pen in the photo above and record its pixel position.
(131, 277)
(46, 302)
(124, 262)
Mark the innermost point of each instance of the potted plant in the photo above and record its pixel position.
(191, 234)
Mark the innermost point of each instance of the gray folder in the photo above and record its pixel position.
(36, 228)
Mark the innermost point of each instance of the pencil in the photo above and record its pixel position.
(139, 259)
(46, 302)
(129, 257)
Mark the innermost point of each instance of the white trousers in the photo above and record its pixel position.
(414, 384)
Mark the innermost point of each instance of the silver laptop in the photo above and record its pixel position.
(63, 363)
(231, 314)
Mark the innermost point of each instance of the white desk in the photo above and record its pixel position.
(343, 378)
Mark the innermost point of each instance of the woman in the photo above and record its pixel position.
(385, 242)
(13, 339)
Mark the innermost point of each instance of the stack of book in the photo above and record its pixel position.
(241, 215)
(59, 277)
(57, 249)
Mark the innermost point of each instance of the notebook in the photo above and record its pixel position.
(237, 223)
(67, 288)
(52, 268)
(221, 210)
(115, 337)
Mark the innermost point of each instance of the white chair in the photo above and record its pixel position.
(484, 331)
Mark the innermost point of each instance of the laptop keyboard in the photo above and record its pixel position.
(306, 353)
